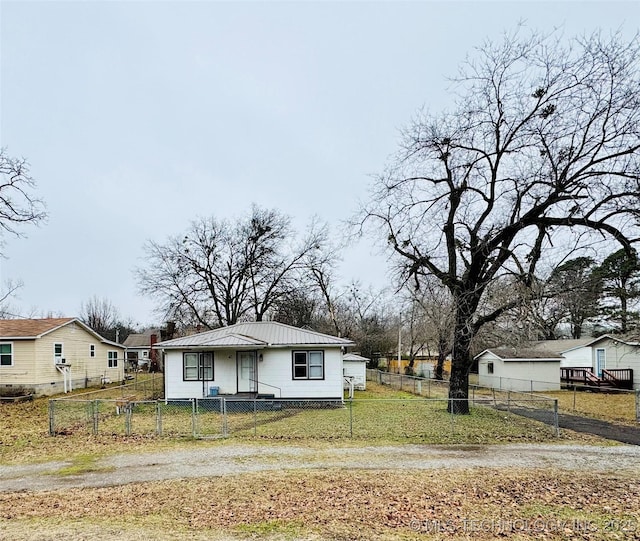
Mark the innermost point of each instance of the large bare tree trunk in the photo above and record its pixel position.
(461, 357)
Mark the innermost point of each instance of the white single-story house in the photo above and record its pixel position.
(354, 370)
(621, 358)
(53, 355)
(519, 370)
(253, 359)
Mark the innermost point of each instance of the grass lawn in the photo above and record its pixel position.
(337, 505)
(619, 407)
(380, 416)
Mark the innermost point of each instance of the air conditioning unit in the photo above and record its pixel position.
(61, 360)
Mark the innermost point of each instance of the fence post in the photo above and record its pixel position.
(638, 405)
(52, 421)
(429, 388)
(556, 423)
(223, 406)
(255, 416)
(451, 408)
(351, 418)
(96, 416)
(401, 382)
(158, 418)
(193, 417)
(128, 410)
(509, 401)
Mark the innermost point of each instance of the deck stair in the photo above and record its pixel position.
(610, 379)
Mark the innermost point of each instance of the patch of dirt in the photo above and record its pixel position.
(224, 460)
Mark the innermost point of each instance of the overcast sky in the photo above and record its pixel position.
(137, 117)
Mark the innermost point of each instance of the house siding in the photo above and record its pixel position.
(358, 371)
(522, 375)
(618, 355)
(274, 374)
(34, 367)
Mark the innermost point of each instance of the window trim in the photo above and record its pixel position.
(10, 354)
(307, 364)
(199, 366)
(490, 367)
(55, 355)
(111, 361)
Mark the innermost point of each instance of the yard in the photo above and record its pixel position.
(370, 500)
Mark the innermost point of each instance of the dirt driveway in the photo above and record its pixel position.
(228, 459)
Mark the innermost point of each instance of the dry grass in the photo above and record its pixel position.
(24, 428)
(618, 407)
(337, 505)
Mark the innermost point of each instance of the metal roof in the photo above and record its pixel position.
(354, 357)
(257, 334)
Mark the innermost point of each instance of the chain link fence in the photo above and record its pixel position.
(412, 420)
(579, 399)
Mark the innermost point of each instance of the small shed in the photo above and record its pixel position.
(354, 370)
(512, 369)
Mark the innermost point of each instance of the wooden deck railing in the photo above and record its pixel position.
(621, 378)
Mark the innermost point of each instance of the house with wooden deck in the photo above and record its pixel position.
(603, 362)
(54, 355)
(254, 359)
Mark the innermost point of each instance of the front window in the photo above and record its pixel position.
(489, 368)
(6, 354)
(112, 357)
(92, 351)
(308, 365)
(197, 366)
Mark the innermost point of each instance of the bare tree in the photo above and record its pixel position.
(18, 204)
(542, 145)
(221, 272)
(103, 317)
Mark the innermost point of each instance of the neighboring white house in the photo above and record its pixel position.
(519, 370)
(354, 370)
(571, 349)
(254, 358)
(603, 353)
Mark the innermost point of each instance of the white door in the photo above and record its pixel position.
(600, 361)
(246, 367)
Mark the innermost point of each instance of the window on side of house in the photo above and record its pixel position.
(490, 368)
(308, 364)
(197, 366)
(57, 352)
(112, 358)
(92, 350)
(6, 354)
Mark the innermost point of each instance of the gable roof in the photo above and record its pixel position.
(558, 346)
(31, 329)
(354, 357)
(529, 354)
(255, 334)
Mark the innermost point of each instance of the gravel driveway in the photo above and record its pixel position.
(218, 460)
